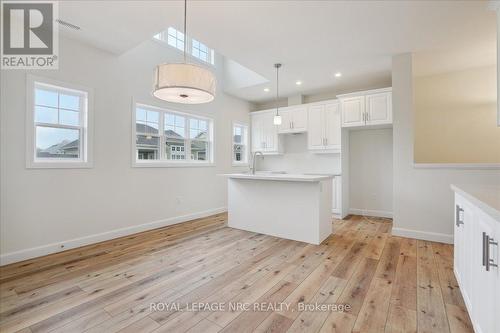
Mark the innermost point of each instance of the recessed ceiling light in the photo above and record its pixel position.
(266, 89)
(298, 83)
(338, 74)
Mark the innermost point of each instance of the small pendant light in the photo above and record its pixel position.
(182, 82)
(277, 117)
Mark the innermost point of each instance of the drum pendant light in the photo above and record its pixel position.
(277, 117)
(182, 82)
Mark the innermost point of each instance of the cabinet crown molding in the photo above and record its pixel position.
(365, 92)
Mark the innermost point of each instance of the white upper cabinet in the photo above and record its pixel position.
(367, 108)
(265, 133)
(379, 108)
(257, 132)
(353, 111)
(293, 119)
(333, 126)
(324, 130)
(316, 132)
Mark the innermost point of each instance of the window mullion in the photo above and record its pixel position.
(161, 134)
(187, 139)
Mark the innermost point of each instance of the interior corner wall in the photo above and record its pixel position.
(423, 200)
(370, 176)
(43, 209)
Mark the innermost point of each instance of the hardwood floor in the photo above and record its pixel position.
(390, 284)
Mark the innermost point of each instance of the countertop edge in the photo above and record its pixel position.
(286, 179)
(488, 209)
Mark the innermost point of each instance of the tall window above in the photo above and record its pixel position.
(170, 138)
(176, 39)
(240, 144)
(57, 125)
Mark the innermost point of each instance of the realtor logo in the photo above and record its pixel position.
(29, 35)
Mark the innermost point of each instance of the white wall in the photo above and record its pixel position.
(47, 208)
(423, 201)
(297, 159)
(370, 172)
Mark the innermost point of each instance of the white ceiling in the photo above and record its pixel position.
(313, 39)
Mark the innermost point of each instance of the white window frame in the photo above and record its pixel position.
(86, 128)
(163, 162)
(162, 37)
(177, 35)
(245, 142)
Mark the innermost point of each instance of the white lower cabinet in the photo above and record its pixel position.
(337, 194)
(476, 256)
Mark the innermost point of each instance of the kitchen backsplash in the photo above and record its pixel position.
(297, 159)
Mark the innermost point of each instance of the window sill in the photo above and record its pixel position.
(161, 164)
(59, 165)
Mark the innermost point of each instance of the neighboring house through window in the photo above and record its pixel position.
(57, 125)
(171, 138)
(240, 144)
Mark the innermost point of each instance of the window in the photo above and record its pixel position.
(170, 138)
(240, 144)
(176, 39)
(57, 125)
(200, 50)
(147, 134)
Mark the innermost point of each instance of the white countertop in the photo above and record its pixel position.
(279, 177)
(486, 197)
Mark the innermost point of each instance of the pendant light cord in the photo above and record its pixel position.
(185, 29)
(277, 87)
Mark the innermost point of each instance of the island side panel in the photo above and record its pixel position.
(325, 209)
(286, 209)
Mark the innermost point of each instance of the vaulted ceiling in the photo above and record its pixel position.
(313, 39)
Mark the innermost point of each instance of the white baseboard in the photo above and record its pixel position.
(368, 212)
(12, 257)
(423, 235)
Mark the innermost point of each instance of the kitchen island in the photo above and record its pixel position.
(290, 206)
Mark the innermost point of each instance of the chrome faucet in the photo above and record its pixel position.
(255, 153)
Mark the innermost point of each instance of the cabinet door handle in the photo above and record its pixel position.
(488, 242)
(484, 249)
(458, 211)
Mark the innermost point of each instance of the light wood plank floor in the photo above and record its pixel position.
(391, 284)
